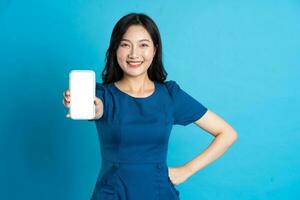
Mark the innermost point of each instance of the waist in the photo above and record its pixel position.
(117, 162)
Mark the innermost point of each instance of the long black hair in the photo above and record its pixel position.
(112, 71)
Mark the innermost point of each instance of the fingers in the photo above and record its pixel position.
(67, 92)
(67, 98)
(97, 101)
(66, 101)
(98, 108)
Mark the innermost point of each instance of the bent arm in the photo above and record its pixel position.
(224, 135)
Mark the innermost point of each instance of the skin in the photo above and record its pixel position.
(137, 45)
(224, 136)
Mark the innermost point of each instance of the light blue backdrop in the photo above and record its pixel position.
(240, 59)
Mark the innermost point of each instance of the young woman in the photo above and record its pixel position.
(135, 111)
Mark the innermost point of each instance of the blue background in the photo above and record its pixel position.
(240, 59)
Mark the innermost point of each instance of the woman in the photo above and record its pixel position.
(135, 111)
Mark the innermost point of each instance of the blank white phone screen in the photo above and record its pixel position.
(82, 92)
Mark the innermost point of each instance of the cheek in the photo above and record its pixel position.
(121, 54)
(148, 55)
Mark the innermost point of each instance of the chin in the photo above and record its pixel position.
(135, 74)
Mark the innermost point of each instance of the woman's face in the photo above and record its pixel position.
(136, 51)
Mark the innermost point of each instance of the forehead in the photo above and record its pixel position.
(136, 33)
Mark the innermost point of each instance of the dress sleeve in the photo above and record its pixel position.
(186, 109)
(100, 93)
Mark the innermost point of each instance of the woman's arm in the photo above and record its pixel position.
(224, 135)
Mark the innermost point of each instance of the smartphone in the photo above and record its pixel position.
(82, 93)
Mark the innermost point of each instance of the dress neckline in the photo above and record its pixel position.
(141, 98)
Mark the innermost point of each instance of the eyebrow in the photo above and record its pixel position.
(143, 40)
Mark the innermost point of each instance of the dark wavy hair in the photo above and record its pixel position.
(112, 71)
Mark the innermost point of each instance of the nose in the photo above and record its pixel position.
(133, 53)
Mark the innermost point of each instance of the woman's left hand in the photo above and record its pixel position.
(178, 175)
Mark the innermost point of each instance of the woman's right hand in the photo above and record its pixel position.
(66, 101)
(98, 104)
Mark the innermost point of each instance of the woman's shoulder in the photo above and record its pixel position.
(171, 86)
(103, 91)
(101, 86)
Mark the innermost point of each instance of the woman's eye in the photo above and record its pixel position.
(144, 45)
(124, 45)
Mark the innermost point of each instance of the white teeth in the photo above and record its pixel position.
(134, 63)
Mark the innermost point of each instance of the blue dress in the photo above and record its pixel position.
(133, 135)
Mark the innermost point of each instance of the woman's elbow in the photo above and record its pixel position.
(233, 135)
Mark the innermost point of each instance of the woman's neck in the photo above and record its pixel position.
(139, 85)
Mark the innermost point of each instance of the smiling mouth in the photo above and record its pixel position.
(134, 63)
